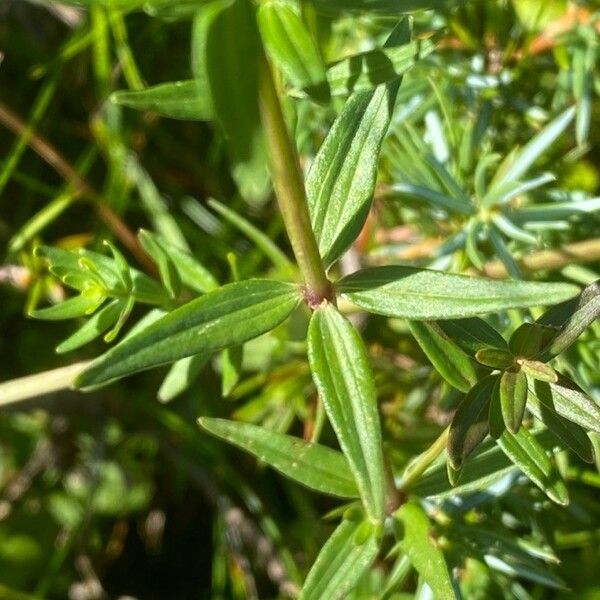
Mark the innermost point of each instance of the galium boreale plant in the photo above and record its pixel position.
(510, 389)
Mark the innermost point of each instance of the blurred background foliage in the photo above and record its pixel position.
(116, 493)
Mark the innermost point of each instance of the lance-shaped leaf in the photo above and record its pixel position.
(226, 50)
(416, 541)
(341, 181)
(226, 317)
(524, 159)
(291, 47)
(369, 69)
(94, 327)
(176, 100)
(340, 367)
(390, 7)
(340, 564)
(529, 338)
(530, 456)
(313, 465)
(573, 436)
(513, 398)
(487, 465)
(568, 400)
(422, 294)
(191, 272)
(181, 376)
(570, 320)
(470, 422)
(70, 308)
(473, 334)
(449, 360)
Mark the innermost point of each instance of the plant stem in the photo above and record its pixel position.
(414, 471)
(289, 189)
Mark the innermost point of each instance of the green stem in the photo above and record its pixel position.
(423, 462)
(289, 189)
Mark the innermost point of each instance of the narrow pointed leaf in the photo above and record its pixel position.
(569, 401)
(226, 317)
(262, 241)
(486, 466)
(291, 47)
(341, 181)
(94, 327)
(369, 69)
(175, 100)
(421, 294)
(513, 398)
(227, 49)
(473, 334)
(470, 422)
(313, 465)
(570, 434)
(495, 417)
(449, 360)
(340, 564)
(529, 338)
(390, 7)
(571, 319)
(68, 309)
(181, 376)
(538, 370)
(421, 548)
(529, 455)
(340, 367)
(525, 158)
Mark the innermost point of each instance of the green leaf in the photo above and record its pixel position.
(192, 273)
(421, 294)
(529, 338)
(262, 241)
(486, 466)
(168, 272)
(94, 327)
(291, 47)
(227, 48)
(341, 180)
(313, 465)
(417, 543)
(571, 319)
(570, 434)
(231, 366)
(473, 334)
(494, 358)
(181, 376)
(529, 455)
(524, 159)
(470, 425)
(69, 309)
(448, 359)
(340, 367)
(538, 370)
(175, 100)
(495, 417)
(225, 317)
(340, 564)
(390, 7)
(63, 263)
(513, 398)
(568, 400)
(367, 70)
